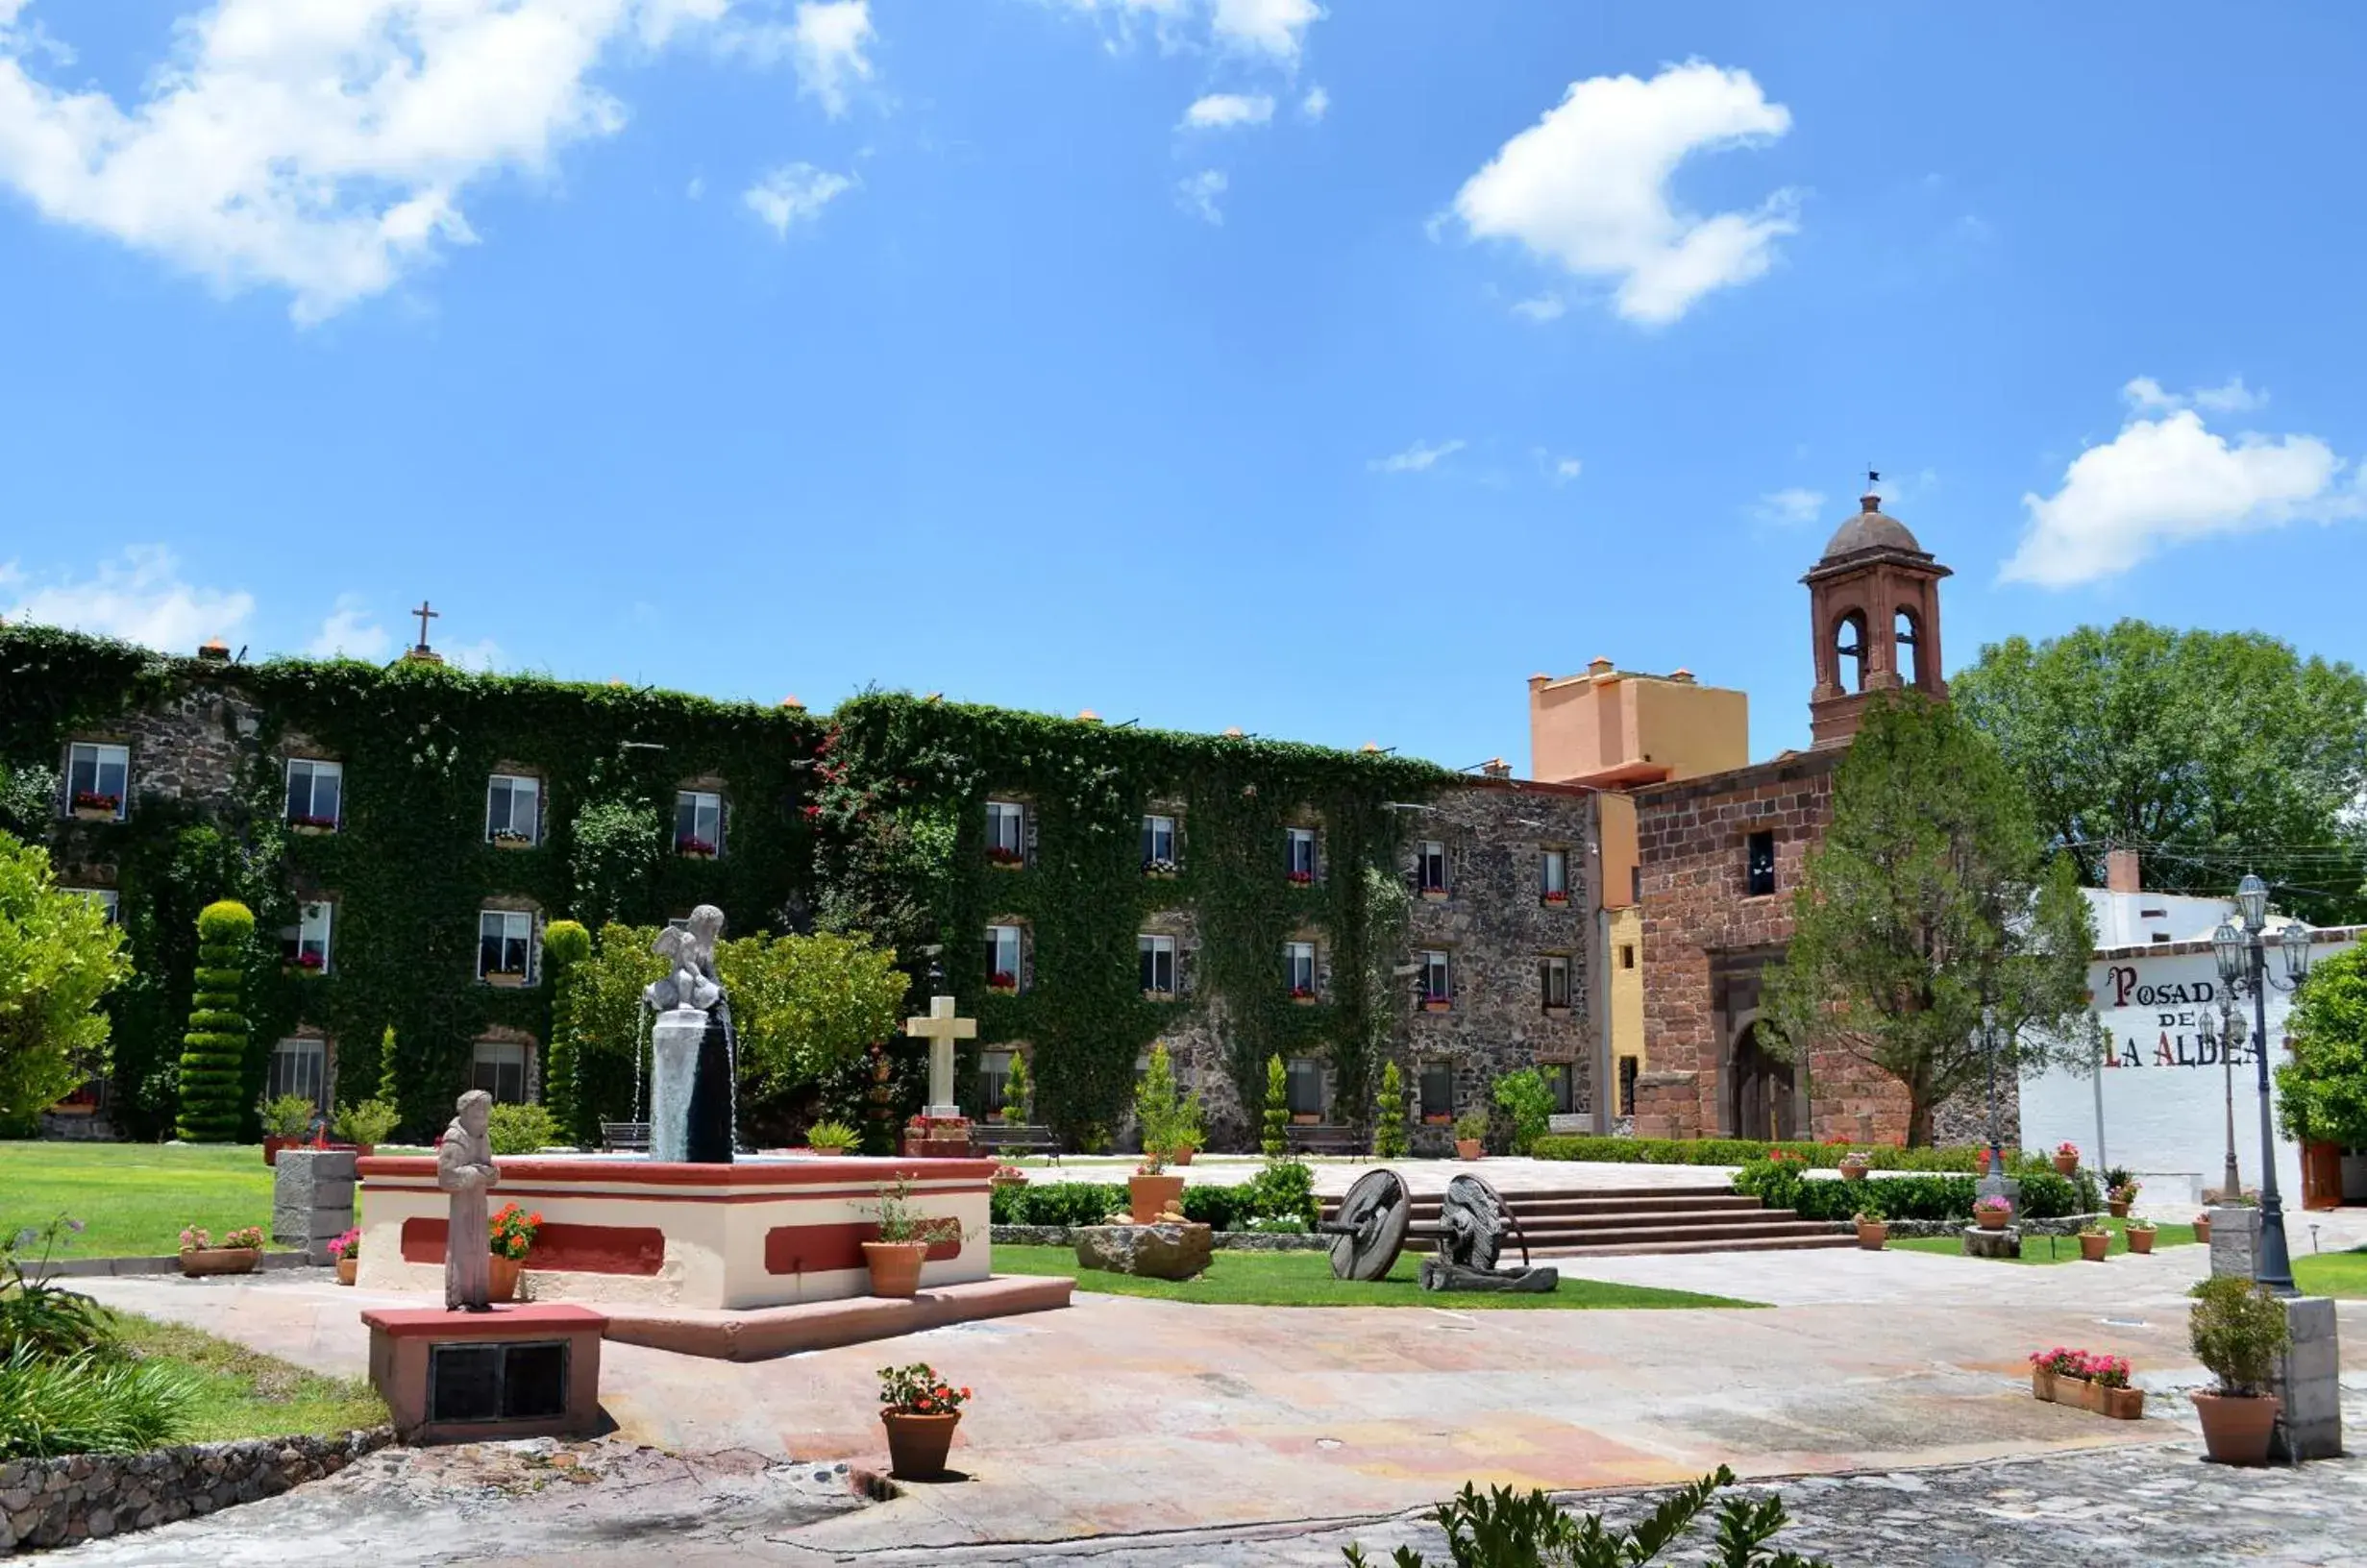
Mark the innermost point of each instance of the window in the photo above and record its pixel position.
(1298, 964)
(1849, 652)
(1006, 833)
(1305, 1081)
(1557, 1079)
(315, 791)
(1628, 1065)
(994, 1078)
(1554, 877)
(699, 823)
(1759, 865)
(1635, 884)
(1003, 959)
(304, 945)
(506, 945)
(1438, 1089)
(298, 1066)
(1627, 955)
(108, 900)
(1436, 989)
(1301, 856)
(500, 1070)
(1158, 955)
(1430, 866)
(513, 810)
(1553, 978)
(1159, 844)
(98, 780)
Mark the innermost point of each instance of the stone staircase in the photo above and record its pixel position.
(1605, 1222)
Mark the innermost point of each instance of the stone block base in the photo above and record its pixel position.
(2235, 1238)
(821, 1325)
(1980, 1243)
(431, 1368)
(1159, 1251)
(2308, 1383)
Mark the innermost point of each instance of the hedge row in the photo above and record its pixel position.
(1274, 1199)
(1742, 1151)
(2045, 1195)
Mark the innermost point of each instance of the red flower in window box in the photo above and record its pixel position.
(94, 802)
(1003, 980)
(1302, 993)
(323, 823)
(1302, 880)
(1001, 855)
(1557, 898)
(307, 963)
(690, 843)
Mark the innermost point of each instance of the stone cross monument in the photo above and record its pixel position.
(940, 1028)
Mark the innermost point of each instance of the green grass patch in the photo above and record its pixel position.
(133, 1197)
(2318, 1274)
(1303, 1279)
(2056, 1249)
(245, 1393)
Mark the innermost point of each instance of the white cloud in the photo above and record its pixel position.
(2165, 480)
(1315, 105)
(1197, 195)
(322, 148)
(697, 186)
(827, 42)
(1555, 467)
(1220, 109)
(2146, 394)
(1789, 508)
(485, 655)
(140, 597)
(1275, 28)
(1586, 186)
(794, 193)
(1541, 307)
(1416, 458)
(351, 632)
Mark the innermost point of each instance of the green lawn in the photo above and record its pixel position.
(2326, 1273)
(245, 1393)
(1303, 1279)
(133, 1197)
(2059, 1249)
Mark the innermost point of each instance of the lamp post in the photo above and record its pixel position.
(2243, 964)
(2227, 1040)
(1988, 1046)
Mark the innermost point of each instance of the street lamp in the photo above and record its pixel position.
(1988, 1046)
(2227, 1040)
(2243, 965)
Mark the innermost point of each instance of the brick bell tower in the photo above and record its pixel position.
(1874, 613)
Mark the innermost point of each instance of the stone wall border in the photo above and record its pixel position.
(79, 1497)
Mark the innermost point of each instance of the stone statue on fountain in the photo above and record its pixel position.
(693, 1051)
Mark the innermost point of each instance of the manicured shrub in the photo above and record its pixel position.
(1389, 1135)
(372, 1122)
(214, 1053)
(287, 1115)
(1016, 1092)
(565, 944)
(519, 1129)
(1061, 1203)
(1782, 1184)
(1275, 1140)
(1281, 1197)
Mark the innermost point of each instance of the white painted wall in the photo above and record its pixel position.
(2164, 1103)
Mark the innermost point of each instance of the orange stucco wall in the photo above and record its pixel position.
(1610, 727)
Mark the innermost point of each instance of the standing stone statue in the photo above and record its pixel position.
(693, 1052)
(464, 1168)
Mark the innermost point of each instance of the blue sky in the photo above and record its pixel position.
(1318, 369)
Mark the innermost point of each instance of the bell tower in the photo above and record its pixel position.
(1874, 613)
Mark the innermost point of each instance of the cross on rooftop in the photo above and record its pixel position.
(426, 614)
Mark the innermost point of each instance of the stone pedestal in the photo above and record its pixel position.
(1161, 1252)
(2235, 1240)
(517, 1371)
(2002, 1244)
(2307, 1383)
(311, 1199)
(943, 1138)
(1999, 1186)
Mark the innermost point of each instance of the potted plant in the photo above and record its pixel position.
(1855, 1166)
(2094, 1241)
(693, 847)
(1300, 879)
(1168, 1121)
(346, 1253)
(1470, 1135)
(287, 1120)
(2140, 1236)
(304, 964)
(512, 838)
(1557, 897)
(239, 1252)
(366, 1125)
(1983, 1157)
(1303, 995)
(2238, 1331)
(831, 1138)
(1003, 983)
(896, 1257)
(1873, 1230)
(1007, 1176)
(1991, 1213)
(1162, 869)
(920, 1410)
(2202, 1227)
(2066, 1159)
(1008, 858)
(2120, 1191)
(313, 826)
(2086, 1380)
(511, 1237)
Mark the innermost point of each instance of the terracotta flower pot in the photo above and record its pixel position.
(1469, 1148)
(2119, 1404)
(504, 1278)
(2236, 1427)
(1147, 1196)
(1181, 1157)
(2066, 1165)
(894, 1266)
(2117, 1207)
(917, 1444)
(347, 1267)
(1852, 1173)
(2140, 1242)
(2043, 1384)
(221, 1261)
(2092, 1248)
(1991, 1219)
(1872, 1234)
(2202, 1229)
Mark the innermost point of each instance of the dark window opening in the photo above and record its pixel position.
(1627, 955)
(1635, 884)
(1304, 1079)
(1565, 1093)
(1759, 865)
(1438, 1089)
(1627, 1085)
(1849, 643)
(1907, 645)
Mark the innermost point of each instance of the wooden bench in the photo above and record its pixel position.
(1304, 1139)
(625, 1137)
(1015, 1137)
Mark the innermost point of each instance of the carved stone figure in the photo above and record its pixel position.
(1473, 1219)
(693, 1051)
(464, 1168)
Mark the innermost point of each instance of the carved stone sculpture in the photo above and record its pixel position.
(693, 1051)
(464, 1168)
(1473, 1220)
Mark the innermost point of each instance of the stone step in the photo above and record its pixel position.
(1635, 1249)
(1592, 1197)
(1529, 1210)
(1643, 1229)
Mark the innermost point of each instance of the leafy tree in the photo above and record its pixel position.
(1169, 1121)
(1529, 1102)
(1389, 1135)
(1275, 1139)
(2322, 1092)
(1016, 1091)
(214, 1053)
(2212, 752)
(613, 855)
(57, 957)
(1932, 895)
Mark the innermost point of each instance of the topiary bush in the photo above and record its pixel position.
(565, 944)
(1281, 1197)
(1389, 1135)
(1782, 1184)
(214, 1052)
(521, 1129)
(1274, 1137)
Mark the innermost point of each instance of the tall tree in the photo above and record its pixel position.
(2322, 1090)
(57, 957)
(1931, 897)
(2211, 753)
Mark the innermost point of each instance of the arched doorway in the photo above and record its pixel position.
(1759, 1098)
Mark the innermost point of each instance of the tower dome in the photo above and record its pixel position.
(1871, 529)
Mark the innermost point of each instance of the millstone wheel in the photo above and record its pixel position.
(1478, 1214)
(1370, 1230)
